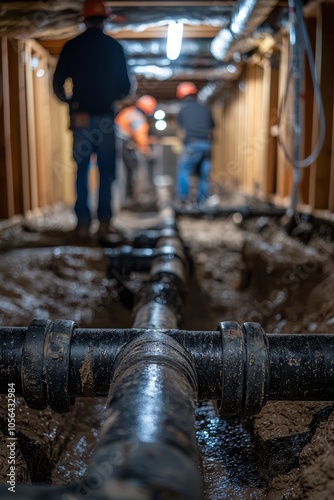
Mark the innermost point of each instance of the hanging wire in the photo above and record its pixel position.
(306, 44)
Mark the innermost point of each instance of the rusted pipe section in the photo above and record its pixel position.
(239, 365)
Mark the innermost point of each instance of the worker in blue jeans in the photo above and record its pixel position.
(96, 137)
(196, 124)
(96, 64)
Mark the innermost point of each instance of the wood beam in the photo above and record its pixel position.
(7, 131)
(320, 170)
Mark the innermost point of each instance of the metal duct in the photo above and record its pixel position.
(246, 17)
(226, 72)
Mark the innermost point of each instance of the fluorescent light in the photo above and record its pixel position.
(34, 62)
(159, 114)
(174, 40)
(160, 125)
(152, 71)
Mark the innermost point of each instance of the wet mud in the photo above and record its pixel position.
(242, 271)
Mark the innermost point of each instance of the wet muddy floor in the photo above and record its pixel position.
(243, 270)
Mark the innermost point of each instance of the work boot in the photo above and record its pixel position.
(104, 229)
(82, 232)
(107, 234)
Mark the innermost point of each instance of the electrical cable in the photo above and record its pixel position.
(317, 93)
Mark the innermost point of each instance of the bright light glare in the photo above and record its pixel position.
(159, 114)
(34, 61)
(40, 72)
(220, 44)
(174, 40)
(160, 125)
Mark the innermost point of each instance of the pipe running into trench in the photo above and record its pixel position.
(147, 448)
(234, 364)
(153, 374)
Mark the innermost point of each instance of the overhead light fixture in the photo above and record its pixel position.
(152, 71)
(159, 114)
(174, 40)
(160, 125)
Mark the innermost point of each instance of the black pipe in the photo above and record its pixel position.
(150, 419)
(241, 366)
(245, 211)
(128, 259)
(147, 447)
(148, 238)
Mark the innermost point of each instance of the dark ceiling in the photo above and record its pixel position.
(141, 26)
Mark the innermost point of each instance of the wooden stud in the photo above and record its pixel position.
(6, 128)
(23, 127)
(31, 127)
(320, 177)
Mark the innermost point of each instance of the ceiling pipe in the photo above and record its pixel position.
(246, 17)
(241, 35)
(226, 72)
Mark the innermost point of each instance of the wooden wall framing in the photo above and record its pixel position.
(35, 146)
(36, 165)
(247, 154)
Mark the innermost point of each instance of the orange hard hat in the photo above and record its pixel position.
(94, 8)
(184, 89)
(147, 103)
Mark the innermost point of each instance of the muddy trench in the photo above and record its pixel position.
(242, 270)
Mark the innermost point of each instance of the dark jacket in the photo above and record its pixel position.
(196, 120)
(96, 64)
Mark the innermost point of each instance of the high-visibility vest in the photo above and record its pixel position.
(132, 124)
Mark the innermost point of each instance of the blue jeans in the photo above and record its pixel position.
(97, 137)
(195, 160)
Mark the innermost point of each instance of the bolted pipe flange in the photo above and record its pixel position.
(32, 365)
(57, 365)
(245, 368)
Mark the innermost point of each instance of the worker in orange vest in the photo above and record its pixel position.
(133, 131)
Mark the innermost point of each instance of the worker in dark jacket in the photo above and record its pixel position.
(195, 124)
(96, 64)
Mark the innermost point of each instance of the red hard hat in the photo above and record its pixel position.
(94, 8)
(147, 103)
(184, 89)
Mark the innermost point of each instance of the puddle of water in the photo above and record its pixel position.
(229, 464)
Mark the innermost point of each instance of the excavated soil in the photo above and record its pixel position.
(243, 270)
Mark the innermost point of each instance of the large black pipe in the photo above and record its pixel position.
(147, 447)
(230, 363)
(216, 211)
(148, 443)
(150, 421)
